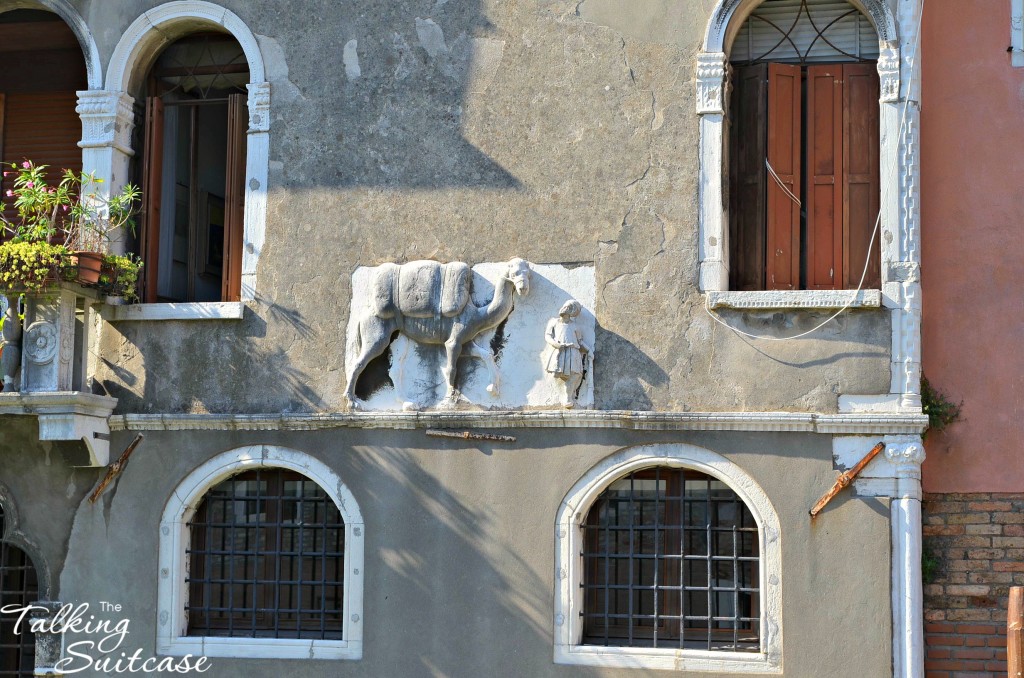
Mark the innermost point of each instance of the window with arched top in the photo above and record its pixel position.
(668, 556)
(261, 555)
(804, 148)
(19, 586)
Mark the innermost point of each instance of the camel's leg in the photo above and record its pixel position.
(374, 337)
(452, 349)
(486, 356)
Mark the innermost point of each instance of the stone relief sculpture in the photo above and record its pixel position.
(430, 303)
(10, 346)
(566, 360)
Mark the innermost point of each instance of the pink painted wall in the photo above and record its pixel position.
(972, 215)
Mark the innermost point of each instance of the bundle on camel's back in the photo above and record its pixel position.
(421, 289)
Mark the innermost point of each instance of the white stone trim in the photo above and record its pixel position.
(782, 299)
(173, 561)
(217, 310)
(1017, 32)
(568, 542)
(141, 41)
(853, 423)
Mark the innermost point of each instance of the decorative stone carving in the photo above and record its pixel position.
(10, 346)
(711, 82)
(889, 74)
(906, 454)
(259, 107)
(107, 120)
(41, 342)
(567, 358)
(429, 303)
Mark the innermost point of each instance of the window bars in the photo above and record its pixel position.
(805, 31)
(18, 586)
(266, 560)
(671, 560)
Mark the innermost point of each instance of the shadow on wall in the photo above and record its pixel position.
(391, 82)
(231, 365)
(627, 389)
(451, 581)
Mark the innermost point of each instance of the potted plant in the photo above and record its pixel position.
(65, 229)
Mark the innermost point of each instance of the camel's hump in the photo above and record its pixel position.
(421, 289)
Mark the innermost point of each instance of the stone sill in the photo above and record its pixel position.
(796, 299)
(215, 310)
(58, 402)
(864, 424)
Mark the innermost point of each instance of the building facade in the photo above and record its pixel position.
(356, 459)
(973, 478)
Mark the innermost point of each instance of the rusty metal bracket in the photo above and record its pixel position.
(115, 469)
(845, 479)
(469, 435)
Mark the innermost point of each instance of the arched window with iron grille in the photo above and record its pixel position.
(19, 586)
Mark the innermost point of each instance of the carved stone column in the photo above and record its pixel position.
(906, 453)
(713, 244)
(49, 646)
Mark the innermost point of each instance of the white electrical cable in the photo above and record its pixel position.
(874, 232)
(778, 180)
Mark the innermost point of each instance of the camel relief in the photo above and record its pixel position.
(430, 303)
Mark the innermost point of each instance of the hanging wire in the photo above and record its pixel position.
(874, 233)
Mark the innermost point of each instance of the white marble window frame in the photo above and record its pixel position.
(172, 589)
(568, 623)
(108, 119)
(1017, 33)
(712, 79)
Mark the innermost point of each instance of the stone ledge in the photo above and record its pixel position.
(630, 420)
(790, 299)
(67, 415)
(215, 310)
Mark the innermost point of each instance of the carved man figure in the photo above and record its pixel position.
(567, 359)
(10, 347)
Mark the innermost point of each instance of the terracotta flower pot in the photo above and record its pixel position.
(89, 266)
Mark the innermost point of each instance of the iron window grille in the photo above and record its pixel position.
(266, 560)
(19, 586)
(671, 560)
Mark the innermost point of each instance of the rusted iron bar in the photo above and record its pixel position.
(115, 469)
(845, 479)
(1015, 633)
(469, 435)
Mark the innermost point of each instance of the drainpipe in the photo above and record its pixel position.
(906, 453)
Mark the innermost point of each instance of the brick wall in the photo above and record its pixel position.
(976, 543)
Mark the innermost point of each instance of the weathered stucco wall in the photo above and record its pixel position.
(556, 131)
(971, 210)
(428, 504)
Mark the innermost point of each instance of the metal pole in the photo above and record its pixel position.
(1015, 633)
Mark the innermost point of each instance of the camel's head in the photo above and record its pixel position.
(519, 274)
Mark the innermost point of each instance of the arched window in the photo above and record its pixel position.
(671, 559)
(19, 587)
(266, 559)
(261, 555)
(193, 170)
(668, 556)
(804, 148)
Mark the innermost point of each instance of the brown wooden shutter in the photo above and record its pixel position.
(824, 201)
(152, 179)
(234, 198)
(782, 259)
(860, 174)
(747, 173)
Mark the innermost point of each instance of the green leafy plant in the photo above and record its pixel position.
(73, 212)
(940, 409)
(930, 566)
(29, 266)
(120, 275)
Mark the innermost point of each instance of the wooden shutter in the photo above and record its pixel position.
(782, 259)
(234, 198)
(747, 177)
(824, 201)
(152, 179)
(860, 175)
